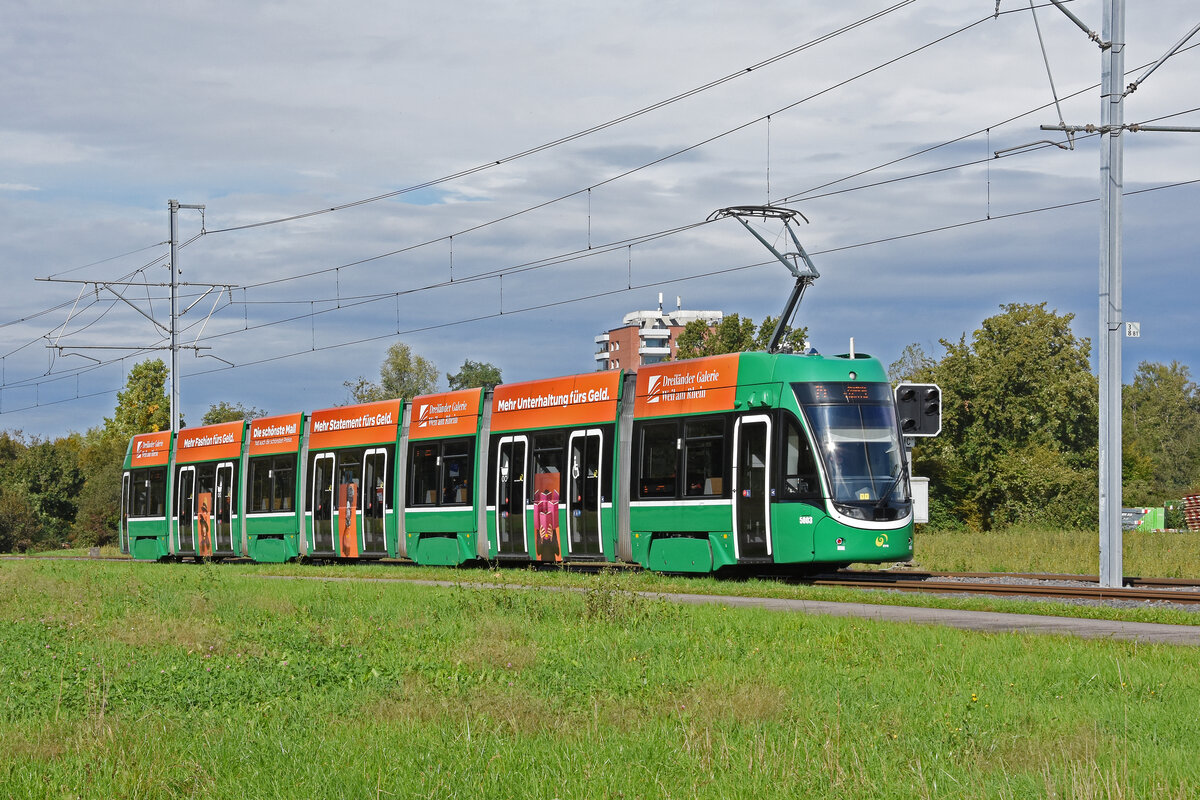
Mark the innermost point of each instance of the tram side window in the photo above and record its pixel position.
(441, 472)
(799, 465)
(704, 457)
(283, 476)
(659, 462)
(349, 479)
(456, 472)
(141, 493)
(424, 471)
(149, 492)
(548, 461)
(272, 484)
(260, 484)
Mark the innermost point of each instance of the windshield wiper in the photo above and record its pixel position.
(882, 501)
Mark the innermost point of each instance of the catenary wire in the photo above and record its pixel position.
(586, 132)
(555, 260)
(675, 279)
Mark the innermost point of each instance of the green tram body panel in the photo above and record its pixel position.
(441, 537)
(441, 488)
(756, 413)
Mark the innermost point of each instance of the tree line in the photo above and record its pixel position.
(66, 492)
(1018, 444)
(1020, 427)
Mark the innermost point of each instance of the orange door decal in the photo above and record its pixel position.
(204, 522)
(348, 519)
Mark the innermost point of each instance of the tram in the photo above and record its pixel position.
(775, 460)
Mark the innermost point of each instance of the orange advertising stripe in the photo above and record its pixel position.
(557, 402)
(210, 442)
(369, 423)
(151, 449)
(279, 434)
(445, 414)
(695, 386)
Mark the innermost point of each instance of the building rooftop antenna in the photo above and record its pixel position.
(797, 263)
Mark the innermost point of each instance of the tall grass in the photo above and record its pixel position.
(1158, 555)
(136, 680)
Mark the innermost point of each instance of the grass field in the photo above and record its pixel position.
(1151, 555)
(140, 680)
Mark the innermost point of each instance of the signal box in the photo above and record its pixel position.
(919, 407)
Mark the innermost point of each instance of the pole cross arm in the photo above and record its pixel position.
(1133, 127)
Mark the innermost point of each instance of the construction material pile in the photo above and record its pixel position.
(1191, 511)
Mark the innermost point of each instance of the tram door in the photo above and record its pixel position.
(751, 496)
(125, 498)
(223, 509)
(185, 509)
(374, 501)
(322, 501)
(510, 495)
(583, 493)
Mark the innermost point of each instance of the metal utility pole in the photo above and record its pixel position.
(171, 332)
(1112, 119)
(174, 206)
(1112, 322)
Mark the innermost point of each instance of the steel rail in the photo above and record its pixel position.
(1130, 580)
(933, 586)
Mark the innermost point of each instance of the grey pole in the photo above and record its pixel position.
(173, 206)
(1111, 317)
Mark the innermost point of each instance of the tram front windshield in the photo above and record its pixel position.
(854, 428)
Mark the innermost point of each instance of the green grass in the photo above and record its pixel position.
(1072, 552)
(140, 680)
(1151, 555)
(653, 584)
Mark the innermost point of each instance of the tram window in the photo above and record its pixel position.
(441, 472)
(272, 484)
(349, 482)
(283, 476)
(799, 465)
(704, 457)
(456, 472)
(260, 484)
(141, 493)
(424, 469)
(206, 476)
(158, 493)
(659, 462)
(149, 492)
(548, 460)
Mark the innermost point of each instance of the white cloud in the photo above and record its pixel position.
(295, 109)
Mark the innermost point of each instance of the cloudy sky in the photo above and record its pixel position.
(502, 181)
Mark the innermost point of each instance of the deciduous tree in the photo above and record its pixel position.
(143, 405)
(1019, 422)
(733, 334)
(1161, 427)
(474, 374)
(226, 412)
(403, 375)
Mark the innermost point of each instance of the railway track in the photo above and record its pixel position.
(1068, 587)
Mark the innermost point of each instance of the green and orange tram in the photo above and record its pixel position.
(779, 461)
